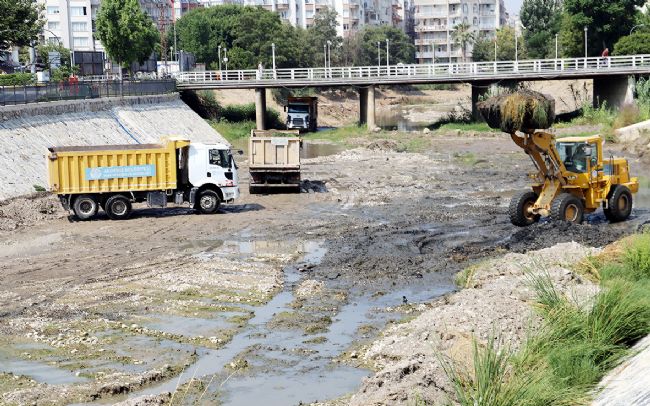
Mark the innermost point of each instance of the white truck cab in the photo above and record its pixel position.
(213, 164)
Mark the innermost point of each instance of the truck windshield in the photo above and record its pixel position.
(220, 157)
(298, 108)
(573, 155)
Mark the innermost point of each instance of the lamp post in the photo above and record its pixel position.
(225, 57)
(556, 47)
(388, 56)
(495, 48)
(273, 57)
(378, 55)
(219, 49)
(329, 54)
(585, 47)
(325, 57)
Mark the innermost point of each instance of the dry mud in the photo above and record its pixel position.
(281, 297)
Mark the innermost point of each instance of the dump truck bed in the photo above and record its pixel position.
(114, 168)
(274, 153)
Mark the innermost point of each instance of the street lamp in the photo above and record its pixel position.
(388, 56)
(225, 57)
(556, 48)
(325, 57)
(329, 54)
(219, 49)
(586, 47)
(379, 54)
(273, 56)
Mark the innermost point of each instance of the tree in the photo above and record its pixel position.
(245, 33)
(505, 37)
(606, 22)
(542, 20)
(126, 32)
(463, 36)
(322, 31)
(483, 49)
(634, 44)
(364, 46)
(21, 22)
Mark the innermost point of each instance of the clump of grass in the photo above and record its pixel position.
(575, 347)
(477, 127)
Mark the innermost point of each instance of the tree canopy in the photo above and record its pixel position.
(606, 22)
(505, 38)
(637, 43)
(542, 20)
(21, 22)
(463, 36)
(361, 48)
(126, 32)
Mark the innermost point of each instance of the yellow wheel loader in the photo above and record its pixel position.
(572, 179)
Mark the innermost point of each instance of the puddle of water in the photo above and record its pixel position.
(40, 372)
(412, 117)
(186, 326)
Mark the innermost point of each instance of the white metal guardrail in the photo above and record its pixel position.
(545, 68)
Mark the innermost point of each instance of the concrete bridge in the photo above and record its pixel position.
(613, 78)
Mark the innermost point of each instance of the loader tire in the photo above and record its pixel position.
(118, 207)
(85, 207)
(519, 209)
(619, 204)
(207, 202)
(567, 207)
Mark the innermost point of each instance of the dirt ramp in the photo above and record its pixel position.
(27, 131)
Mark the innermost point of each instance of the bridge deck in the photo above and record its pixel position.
(547, 69)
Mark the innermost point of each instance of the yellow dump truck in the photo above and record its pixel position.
(274, 160)
(112, 177)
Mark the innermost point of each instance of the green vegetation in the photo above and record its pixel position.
(22, 22)
(542, 21)
(126, 32)
(477, 127)
(17, 79)
(636, 44)
(484, 47)
(577, 344)
(360, 48)
(237, 121)
(463, 36)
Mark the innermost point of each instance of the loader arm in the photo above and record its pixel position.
(540, 146)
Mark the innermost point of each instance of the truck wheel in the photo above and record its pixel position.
(619, 204)
(118, 207)
(85, 207)
(567, 207)
(520, 209)
(207, 202)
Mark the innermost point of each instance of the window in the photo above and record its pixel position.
(53, 25)
(80, 41)
(77, 11)
(76, 27)
(464, 8)
(574, 156)
(346, 13)
(53, 40)
(52, 9)
(346, 27)
(219, 157)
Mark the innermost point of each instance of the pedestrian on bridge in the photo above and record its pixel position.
(605, 56)
(260, 70)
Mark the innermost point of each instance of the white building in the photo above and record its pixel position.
(435, 21)
(71, 23)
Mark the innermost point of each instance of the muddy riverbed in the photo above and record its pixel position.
(270, 299)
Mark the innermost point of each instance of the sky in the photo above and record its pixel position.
(513, 6)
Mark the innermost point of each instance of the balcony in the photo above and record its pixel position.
(430, 28)
(429, 41)
(431, 15)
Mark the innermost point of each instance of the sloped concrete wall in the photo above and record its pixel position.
(27, 131)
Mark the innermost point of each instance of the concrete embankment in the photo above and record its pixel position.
(26, 131)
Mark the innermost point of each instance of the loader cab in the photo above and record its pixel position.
(580, 154)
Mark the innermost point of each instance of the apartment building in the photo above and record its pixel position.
(435, 21)
(71, 23)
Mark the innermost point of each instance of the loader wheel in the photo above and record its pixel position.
(207, 202)
(85, 207)
(567, 207)
(520, 209)
(619, 204)
(118, 207)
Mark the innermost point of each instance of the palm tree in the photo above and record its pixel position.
(463, 36)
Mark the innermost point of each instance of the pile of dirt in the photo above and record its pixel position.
(408, 356)
(29, 210)
(524, 110)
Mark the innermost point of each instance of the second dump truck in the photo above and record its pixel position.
(113, 177)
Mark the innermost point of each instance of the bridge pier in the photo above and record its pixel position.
(367, 106)
(616, 91)
(260, 108)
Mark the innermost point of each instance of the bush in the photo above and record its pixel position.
(17, 79)
(246, 112)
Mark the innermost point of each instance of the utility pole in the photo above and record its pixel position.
(273, 57)
(378, 54)
(387, 56)
(219, 49)
(556, 47)
(585, 47)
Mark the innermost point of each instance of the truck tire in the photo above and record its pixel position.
(207, 202)
(619, 204)
(118, 207)
(567, 207)
(519, 209)
(85, 207)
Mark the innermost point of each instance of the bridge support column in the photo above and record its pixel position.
(616, 91)
(363, 105)
(260, 108)
(479, 90)
(370, 114)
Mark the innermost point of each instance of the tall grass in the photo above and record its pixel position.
(577, 344)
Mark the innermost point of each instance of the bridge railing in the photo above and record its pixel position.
(470, 70)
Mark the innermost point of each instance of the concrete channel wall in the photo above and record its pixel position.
(26, 131)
